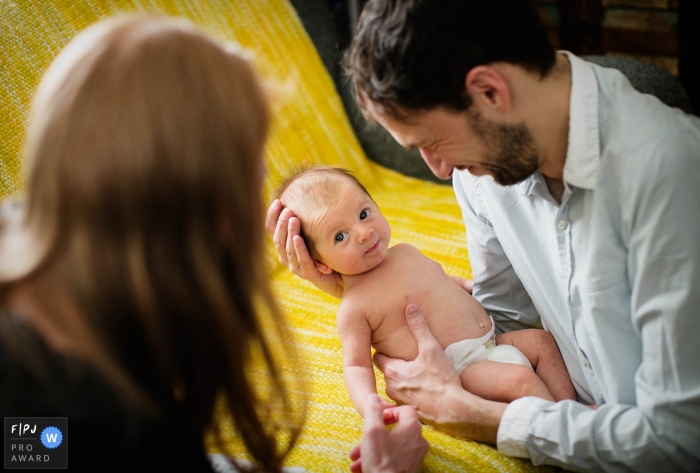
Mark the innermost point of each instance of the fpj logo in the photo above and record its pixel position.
(36, 442)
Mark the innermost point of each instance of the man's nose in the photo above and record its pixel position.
(436, 165)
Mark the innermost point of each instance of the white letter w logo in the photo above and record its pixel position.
(52, 438)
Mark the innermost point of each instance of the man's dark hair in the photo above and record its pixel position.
(415, 54)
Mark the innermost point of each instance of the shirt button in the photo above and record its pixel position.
(562, 224)
(583, 360)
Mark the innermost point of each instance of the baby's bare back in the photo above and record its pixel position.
(407, 276)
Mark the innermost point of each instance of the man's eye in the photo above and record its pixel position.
(340, 236)
(364, 214)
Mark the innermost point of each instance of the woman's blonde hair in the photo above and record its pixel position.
(144, 158)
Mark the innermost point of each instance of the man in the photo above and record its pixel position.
(580, 198)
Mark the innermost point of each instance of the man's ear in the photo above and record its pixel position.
(488, 88)
(322, 267)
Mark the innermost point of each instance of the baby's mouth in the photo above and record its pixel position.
(373, 248)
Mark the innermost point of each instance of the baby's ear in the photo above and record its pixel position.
(322, 267)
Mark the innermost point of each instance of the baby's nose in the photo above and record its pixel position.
(365, 234)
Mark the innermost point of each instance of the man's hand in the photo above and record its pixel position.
(464, 283)
(285, 230)
(421, 382)
(401, 449)
(431, 385)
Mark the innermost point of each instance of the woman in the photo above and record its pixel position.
(131, 280)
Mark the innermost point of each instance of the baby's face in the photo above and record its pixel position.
(351, 235)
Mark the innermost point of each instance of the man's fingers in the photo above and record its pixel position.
(280, 235)
(387, 405)
(293, 228)
(273, 215)
(383, 362)
(405, 415)
(392, 369)
(418, 325)
(469, 285)
(302, 255)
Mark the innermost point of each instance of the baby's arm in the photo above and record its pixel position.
(541, 349)
(356, 338)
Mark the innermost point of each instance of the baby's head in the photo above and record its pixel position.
(342, 226)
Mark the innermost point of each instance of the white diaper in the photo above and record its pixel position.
(467, 352)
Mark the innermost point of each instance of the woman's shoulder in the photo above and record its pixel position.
(104, 431)
(39, 382)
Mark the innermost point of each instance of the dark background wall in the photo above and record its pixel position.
(664, 33)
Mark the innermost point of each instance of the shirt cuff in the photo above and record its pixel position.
(515, 424)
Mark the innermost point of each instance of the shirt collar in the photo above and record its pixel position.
(583, 153)
(525, 187)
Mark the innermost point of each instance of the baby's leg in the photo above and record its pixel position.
(540, 348)
(504, 382)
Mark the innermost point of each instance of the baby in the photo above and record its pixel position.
(345, 232)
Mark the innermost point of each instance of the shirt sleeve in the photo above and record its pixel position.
(514, 426)
(496, 286)
(653, 210)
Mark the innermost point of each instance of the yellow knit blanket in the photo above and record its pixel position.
(310, 126)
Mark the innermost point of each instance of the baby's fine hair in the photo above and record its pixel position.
(315, 183)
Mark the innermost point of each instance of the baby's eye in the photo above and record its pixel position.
(364, 214)
(340, 236)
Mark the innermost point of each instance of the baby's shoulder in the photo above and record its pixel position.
(405, 247)
(407, 254)
(353, 304)
(352, 314)
(406, 250)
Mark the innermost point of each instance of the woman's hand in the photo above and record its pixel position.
(401, 449)
(285, 230)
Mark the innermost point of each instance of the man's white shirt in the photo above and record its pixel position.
(613, 272)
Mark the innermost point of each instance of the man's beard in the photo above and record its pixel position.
(511, 151)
